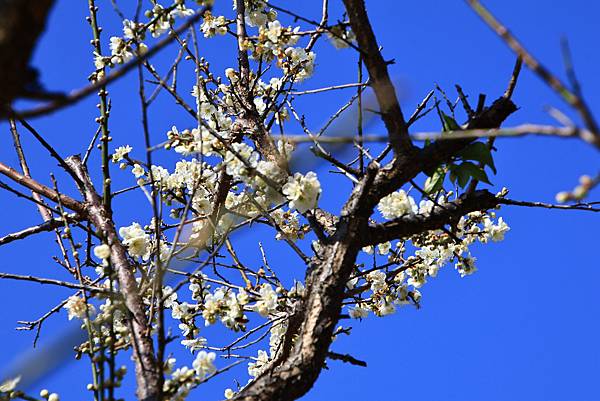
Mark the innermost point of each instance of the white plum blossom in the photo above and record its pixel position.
(256, 368)
(426, 206)
(170, 297)
(102, 251)
(237, 164)
(397, 204)
(299, 64)
(121, 52)
(136, 240)
(212, 25)
(10, 384)
(466, 266)
(120, 153)
(181, 311)
(274, 30)
(204, 364)
(137, 171)
(77, 307)
(302, 191)
(130, 29)
(377, 279)
(385, 307)
(267, 302)
(495, 232)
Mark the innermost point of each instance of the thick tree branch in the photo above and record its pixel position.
(312, 326)
(379, 78)
(41, 189)
(403, 170)
(251, 119)
(147, 371)
(446, 213)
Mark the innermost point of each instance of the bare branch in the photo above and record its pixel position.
(82, 93)
(572, 98)
(49, 225)
(41, 189)
(59, 283)
(379, 77)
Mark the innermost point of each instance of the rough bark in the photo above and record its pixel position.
(147, 371)
(379, 77)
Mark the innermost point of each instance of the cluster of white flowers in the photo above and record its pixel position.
(267, 301)
(77, 307)
(225, 304)
(120, 153)
(492, 231)
(397, 204)
(120, 50)
(435, 249)
(260, 363)
(240, 161)
(302, 191)
(163, 19)
(196, 140)
(276, 37)
(256, 12)
(184, 379)
(136, 240)
(204, 364)
(212, 26)
(299, 63)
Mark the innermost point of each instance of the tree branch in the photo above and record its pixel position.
(379, 77)
(573, 99)
(49, 225)
(41, 189)
(147, 371)
(441, 215)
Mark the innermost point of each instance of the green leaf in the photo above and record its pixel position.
(467, 170)
(434, 183)
(479, 152)
(475, 171)
(460, 175)
(450, 124)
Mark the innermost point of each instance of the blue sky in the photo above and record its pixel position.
(524, 327)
